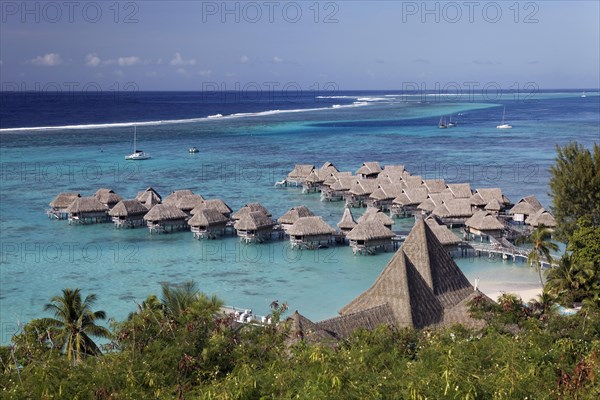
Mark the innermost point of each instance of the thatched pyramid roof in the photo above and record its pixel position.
(64, 200)
(176, 195)
(107, 196)
(370, 230)
(188, 202)
(373, 214)
(254, 220)
(86, 204)
(294, 213)
(128, 208)
(164, 212)
(217, 204)
(459, 190)
(527, 206)
(310, 226)
(343, 326)
(326, 170)
(369, 168)
(493, 205)
(207, 217)
(347, 221)
(434, 185)
(149, 197)
(441, 232)
(420, 283)
(484, 221)
(481, 197)
(541, 217)
(413, 181)
(250, 207)
(301, 328)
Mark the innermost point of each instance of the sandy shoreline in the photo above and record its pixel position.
(527, 291)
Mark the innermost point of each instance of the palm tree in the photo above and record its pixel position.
(185, 298)
(75, 321)
(540, 249)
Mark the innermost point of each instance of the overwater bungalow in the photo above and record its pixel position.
(248, 208)
(370, 237)
(217, 204)
(254, 226)
(208, 223)
(482, 197)
(459, 190)
(484, 225)
(60, 204)
(433, 200)
(493, 207)
(310, 233)
(313, 182)
(347, 223)
(525, 207)
(293, 214)
(337, 190)
(412, 181)
(128, 214)
(384, 195)
(541, 218)
(406, 204)
(359, 192)
(87, 210)
(445, 236)
(454, 211)
(373, 214)
(299, 174)
(163, 218)
(434, 185)
(421, 286)
(369, 170)
(107, 197)
(149, 198)
(176, 195)
(188, 202)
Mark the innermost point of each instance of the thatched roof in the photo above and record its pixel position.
(441, 232)
(343, 326)
(248, 208)
(176, 195)
(347, 221)
(411, 196)
(541, 217)
(310, 226)
(434, 185)
(86, 205)
(343, 182)
(149, 197)
(373, 214)
(107, 196)
(164, 212)
(64, 200)
(188, 202)
(370, 230)
(363, 187)
(369, 168)
(326, 170)
(300, 171)
(421, 284)
(386, 191)
(393, 169)
(527, 206)
(493, 206)
(301, 328)
(481, 197)
(254, 220)
(434, 200)
(216, 204)
(128, 208)
(454, 208)
(335, 176)
(294, 213)
(460, 190)
(314, 177)
(484, 221)
(413, 181)
(208, 217)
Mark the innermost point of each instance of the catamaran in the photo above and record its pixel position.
(504, 125)
(137, 154)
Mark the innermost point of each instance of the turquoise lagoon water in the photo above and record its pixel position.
(239, 160)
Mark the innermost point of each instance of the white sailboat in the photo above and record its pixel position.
(583, 94)
(137, 154)
(504, 125)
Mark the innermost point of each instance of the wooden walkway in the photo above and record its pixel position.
(506, 250)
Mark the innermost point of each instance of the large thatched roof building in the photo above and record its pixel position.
(208, 223)
(86, 210)
(128, 213)
(421, 286)
(310, 233)
(369, 237)
(164, 218)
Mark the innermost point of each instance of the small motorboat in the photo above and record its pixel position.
(193, 150)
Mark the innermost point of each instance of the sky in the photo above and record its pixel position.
(241, 45)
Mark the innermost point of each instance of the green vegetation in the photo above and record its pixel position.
(540, 249)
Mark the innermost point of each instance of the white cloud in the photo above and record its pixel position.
(128, 61)
(205, 72)
(92, 60)
(47, 60)
(244, 59)
(179, 61)
(277, 59)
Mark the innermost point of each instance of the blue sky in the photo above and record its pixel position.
(191, 45)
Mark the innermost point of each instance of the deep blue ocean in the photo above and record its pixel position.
(50, 143)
